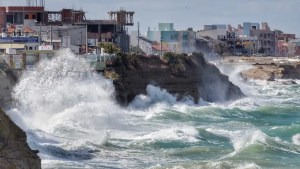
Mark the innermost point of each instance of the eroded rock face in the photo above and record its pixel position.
(14, 150)
(7, 82)
(199, 80)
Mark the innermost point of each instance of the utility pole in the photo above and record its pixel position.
(86, 38)
(161, 47)
(40, 40)
(138, 37)
(50, 34)
(81, 38)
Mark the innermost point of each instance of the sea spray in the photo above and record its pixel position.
(64, 94)
(71, 117)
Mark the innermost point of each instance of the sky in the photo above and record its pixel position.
(280, 14)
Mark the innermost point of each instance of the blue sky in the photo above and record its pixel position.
(280, 14)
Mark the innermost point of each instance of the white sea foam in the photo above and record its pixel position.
(296, 139)
(64, 94)
(156, 101)
(241, 138)
(184, 133)
(74, 112)
(154, 95)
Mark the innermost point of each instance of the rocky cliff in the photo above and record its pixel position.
(14, 150)
(7, 81)
(196, 78)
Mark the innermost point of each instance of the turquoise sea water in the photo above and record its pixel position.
(72, 119)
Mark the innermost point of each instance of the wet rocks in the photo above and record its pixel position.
(14, 150)
(198, 79)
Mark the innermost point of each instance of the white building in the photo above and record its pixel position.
(218, 33)
(145, 45)
(133, 38)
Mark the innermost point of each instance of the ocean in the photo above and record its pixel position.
(69, 114)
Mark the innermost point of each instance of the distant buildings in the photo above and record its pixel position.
(172, 40)
(246, 39)
(213, 31)
(69, 27)
(248, 27)
(29, 33)
(255, 39)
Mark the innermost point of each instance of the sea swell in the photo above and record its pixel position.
(70, 116)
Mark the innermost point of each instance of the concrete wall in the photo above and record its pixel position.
(133, 38)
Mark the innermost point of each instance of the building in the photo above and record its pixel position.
(204, 45)
(214, 26)
(146, 45)
(267, 41)
(166, 27)
(285, 44)
(251, 45)
(17, 14)
(187, 41)
(159, 50)
(177, 41)
(217, 32)
(248, 27)
(134, 38)
(297, 48)
(83, 33)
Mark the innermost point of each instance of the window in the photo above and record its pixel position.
(33, 17)
(26, 17)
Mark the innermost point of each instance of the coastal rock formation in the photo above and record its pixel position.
(291, 71)
(196, 78)
(271, 71)
(8, 80)
(14, 150)
(262, 72)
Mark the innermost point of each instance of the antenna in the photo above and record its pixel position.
(138, 37)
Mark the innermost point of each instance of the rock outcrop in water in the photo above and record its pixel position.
(14, 150)
(272, 71)
(291, 71)
(192, 77)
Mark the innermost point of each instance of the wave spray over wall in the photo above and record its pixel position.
(69, 114)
